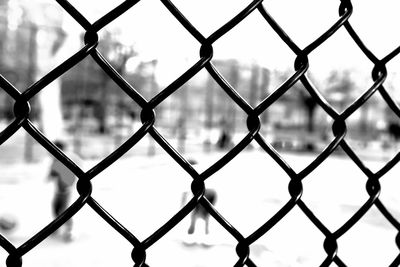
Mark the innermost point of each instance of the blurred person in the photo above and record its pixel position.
(225, 137)
(65, 181)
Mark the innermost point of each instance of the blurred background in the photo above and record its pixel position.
(150, 49)
(85, 103)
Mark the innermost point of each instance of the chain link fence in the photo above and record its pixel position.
(148, 116)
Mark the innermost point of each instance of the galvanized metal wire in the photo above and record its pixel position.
(148, 117)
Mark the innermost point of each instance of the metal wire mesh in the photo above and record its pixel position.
(148, 118)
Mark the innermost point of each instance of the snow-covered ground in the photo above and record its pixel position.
(144, 192)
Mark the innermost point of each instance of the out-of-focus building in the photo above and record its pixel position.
(89, 96)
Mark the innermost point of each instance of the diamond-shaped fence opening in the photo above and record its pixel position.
(247, 107)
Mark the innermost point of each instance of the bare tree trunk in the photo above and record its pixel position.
(264, 91)
(254, 85)
(51, 117)
(209, 112)
(28, 151)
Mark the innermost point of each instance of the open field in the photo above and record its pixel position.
(144, 192)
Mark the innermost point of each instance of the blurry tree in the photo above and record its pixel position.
(233, 77)
(310, 105)
(3, 30)
(143, 79)
(22, 29)
(118, 55)
(48, 48)
(254, 85)
(89, 87)
(227, 123)
(341, 92)
(340, 88)
(259, 88)
(209, 110)
(18, 52)
(264, 88)
(299, 96)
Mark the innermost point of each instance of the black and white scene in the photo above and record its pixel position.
(204, 133)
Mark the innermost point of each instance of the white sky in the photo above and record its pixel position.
(157, 34)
